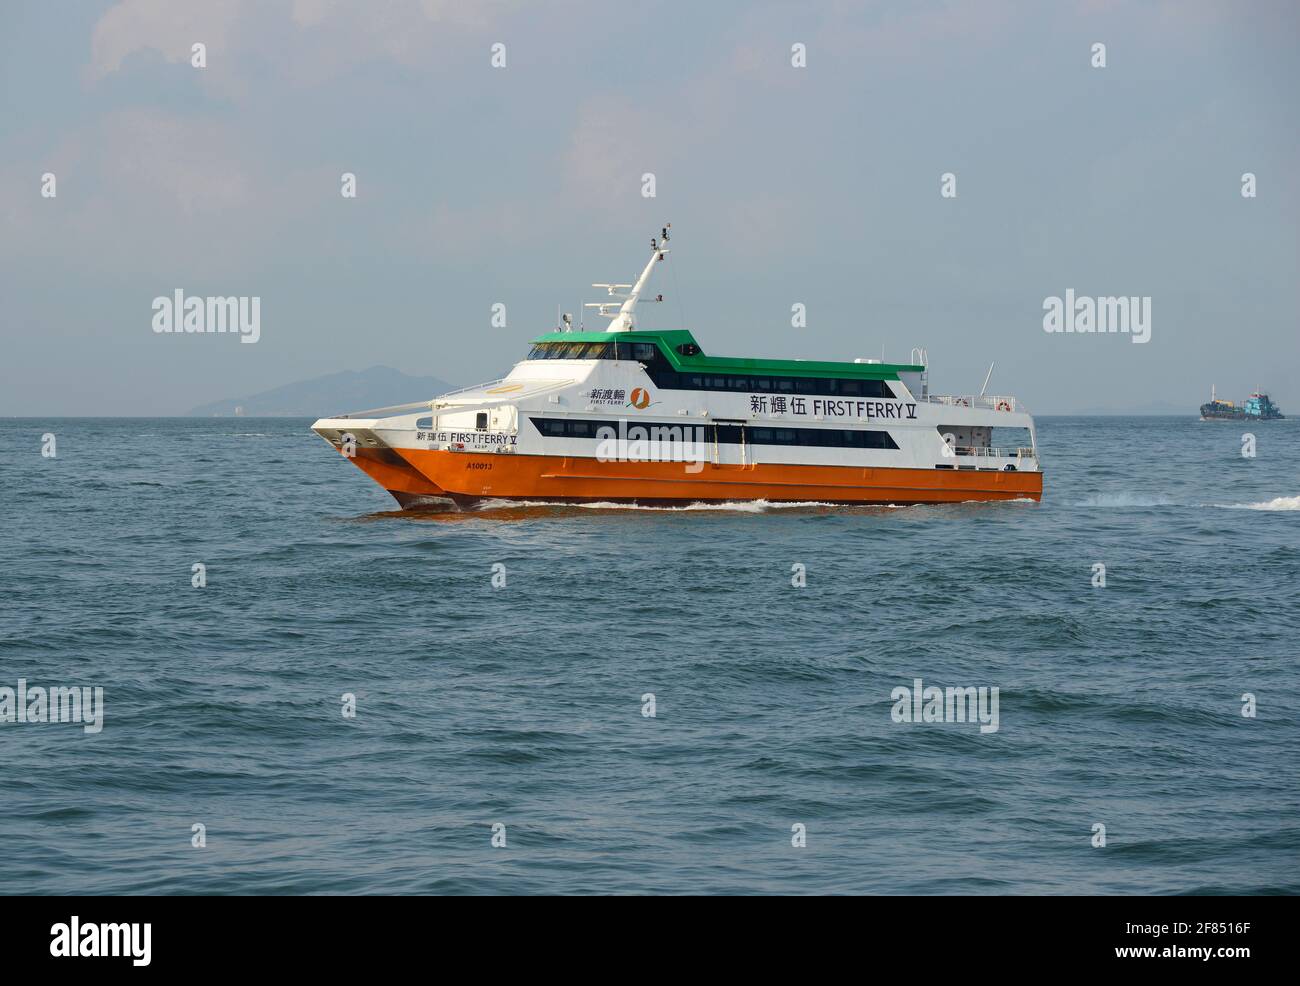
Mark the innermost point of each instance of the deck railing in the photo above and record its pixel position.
(384, 412)
(974, 400)
(466, 390)
(990, 452)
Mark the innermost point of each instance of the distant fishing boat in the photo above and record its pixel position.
(1256, 407)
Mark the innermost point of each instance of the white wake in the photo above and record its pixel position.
(1278, 503)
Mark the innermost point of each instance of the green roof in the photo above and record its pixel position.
(668, 341)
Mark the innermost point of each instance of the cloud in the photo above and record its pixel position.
(613, 144)
(304, 40)
(147, 191)
(169, 27)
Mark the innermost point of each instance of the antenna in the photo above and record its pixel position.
(986, 377)
(623, 309)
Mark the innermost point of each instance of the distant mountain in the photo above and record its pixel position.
(1155, 408)
(334, 393)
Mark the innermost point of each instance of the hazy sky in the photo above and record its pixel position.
(521, 185)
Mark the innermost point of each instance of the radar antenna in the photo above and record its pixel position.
(623, 309)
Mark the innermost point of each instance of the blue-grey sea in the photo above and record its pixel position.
(523, 705)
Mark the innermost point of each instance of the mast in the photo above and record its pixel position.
(623, 320)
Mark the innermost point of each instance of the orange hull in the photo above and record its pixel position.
(396, 475)
(467, 477)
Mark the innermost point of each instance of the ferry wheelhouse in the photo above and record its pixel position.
(627, 415)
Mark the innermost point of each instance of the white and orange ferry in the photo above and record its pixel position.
(645, 417)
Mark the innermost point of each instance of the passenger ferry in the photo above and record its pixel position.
(637, 416)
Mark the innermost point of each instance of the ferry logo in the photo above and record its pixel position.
(640, 399)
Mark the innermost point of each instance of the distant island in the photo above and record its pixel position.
(334, 393)
(1152, 409)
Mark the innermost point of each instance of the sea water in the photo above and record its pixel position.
(306, 690)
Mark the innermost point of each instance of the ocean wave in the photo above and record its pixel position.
(1277, 503)
(738, 506)
(734, 506)
(1124, 499)
(1159, 500)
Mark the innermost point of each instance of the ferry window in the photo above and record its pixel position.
(480, 421)
(735, 434)
(668, 379)
(644, 351)
(725, 434)
(424, 422)
(820, 437)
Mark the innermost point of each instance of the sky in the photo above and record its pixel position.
(481, 184)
